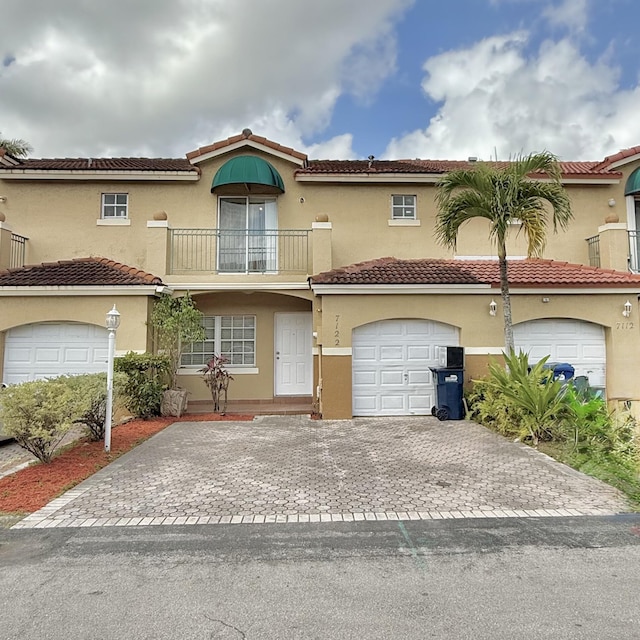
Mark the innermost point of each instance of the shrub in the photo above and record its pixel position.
(38, 414)
(92, 392)
(144, 386)
(529, 395)
(490, 407)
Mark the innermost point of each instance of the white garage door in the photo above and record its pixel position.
(579, 343)
(50, 349)
(391, 360)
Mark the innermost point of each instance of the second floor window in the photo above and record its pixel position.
(115, 206)
(403, 207)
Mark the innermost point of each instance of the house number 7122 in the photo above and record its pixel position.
(336, 332)
(624, 325)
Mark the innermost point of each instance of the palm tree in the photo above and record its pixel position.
(16, 147)
(505, 194)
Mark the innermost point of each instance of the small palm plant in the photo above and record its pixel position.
(532, 388)
(217, 378)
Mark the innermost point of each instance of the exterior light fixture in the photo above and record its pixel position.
(112, 323)
(3, 198)
(626, 310)
(493, 308)
(612, 202)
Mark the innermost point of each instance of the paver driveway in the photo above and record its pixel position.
(293, 469)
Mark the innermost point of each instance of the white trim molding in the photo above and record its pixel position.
(120, 176)
(245, 142)
(124, 290)
(188, 371)
(321, 225)
(336, 351)
(157, 224)
(113, 222)
(403, 222)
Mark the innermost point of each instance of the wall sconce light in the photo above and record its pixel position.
(626, 311)
(612, 202)
(493, 308)
(3, 198)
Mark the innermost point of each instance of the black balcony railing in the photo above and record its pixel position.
(18, 251)
(238, 251)
(594, 251)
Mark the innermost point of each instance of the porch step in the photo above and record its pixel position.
(277, 406)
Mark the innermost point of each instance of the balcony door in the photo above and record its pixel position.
(247, 235)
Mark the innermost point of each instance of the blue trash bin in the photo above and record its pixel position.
(561, 370)
(449, 393)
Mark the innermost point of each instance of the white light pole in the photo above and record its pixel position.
(112, 323)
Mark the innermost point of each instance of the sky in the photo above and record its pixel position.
(336, 79)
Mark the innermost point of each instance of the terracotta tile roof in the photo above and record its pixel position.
(246, 136)
(522, 273)
(89, 272)
(621, 155)
(573, 169)
(107, 164)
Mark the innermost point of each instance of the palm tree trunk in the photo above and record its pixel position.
(506, 298)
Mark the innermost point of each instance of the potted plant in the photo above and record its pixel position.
(176, 323)
(217, 378)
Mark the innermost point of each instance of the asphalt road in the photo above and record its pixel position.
(495, 578)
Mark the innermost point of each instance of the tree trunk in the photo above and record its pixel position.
(506, 299)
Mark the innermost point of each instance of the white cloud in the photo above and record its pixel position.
(160, 77)
(493, 96)
(570, 14)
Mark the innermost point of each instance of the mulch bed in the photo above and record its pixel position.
(33, 487)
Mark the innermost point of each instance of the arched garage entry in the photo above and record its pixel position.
(391, 360)
(580, 343)
(49, 349)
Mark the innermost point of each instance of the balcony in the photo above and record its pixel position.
(634, 251)
(239, 251)
(18, 250)
(594, 251)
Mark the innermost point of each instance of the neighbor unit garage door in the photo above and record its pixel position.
(51, 349)
(579, 343)
(391, 360)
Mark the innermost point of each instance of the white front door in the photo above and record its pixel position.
(391, 362)
(293, 357)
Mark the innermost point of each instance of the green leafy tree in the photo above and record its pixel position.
(176, 323)
(16, 147)
(505, 194)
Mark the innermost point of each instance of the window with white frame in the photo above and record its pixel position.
(233, 337)
(115, 206)
(403, 207)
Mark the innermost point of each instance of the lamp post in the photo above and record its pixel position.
(112, 323)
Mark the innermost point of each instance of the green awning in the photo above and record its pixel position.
(633, 183)
(247, 174)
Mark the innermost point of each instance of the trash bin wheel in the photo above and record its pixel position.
(433, 410)
(442, 414)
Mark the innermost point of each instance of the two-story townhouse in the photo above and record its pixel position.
(319, 280)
